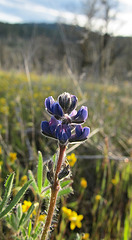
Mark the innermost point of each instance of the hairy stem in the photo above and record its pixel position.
(54, 192)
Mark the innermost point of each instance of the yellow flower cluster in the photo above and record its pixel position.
(26, 205)
(73, 217)
(71, 159)
(114, 181)
(85, 236)
(12, 157)
(98, 197)
(24, 179)
(83, 183)
(42, 218)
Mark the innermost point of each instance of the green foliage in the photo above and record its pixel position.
(106, 203)
(40, 172)
(8, 188)
(16, 199)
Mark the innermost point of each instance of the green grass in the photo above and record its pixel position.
(110, 111)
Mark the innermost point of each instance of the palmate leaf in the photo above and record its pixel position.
(65, 187)
(40, 171)
(8, 188)
(65, 191)
(65, 183)
(16, 199)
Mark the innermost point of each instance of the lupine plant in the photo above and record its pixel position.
(64, 126)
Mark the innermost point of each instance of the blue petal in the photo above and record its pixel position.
(78, 130)
(53, 107)
(49, 104)
(73, 103)
(81, 134)
(63, 133)
(53, 123)
(81, 115)
(57, 110)
(46, 129)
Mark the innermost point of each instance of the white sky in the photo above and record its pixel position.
(19, 11)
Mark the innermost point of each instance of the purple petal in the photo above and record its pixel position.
(73, 113)
(63, 133)
(49, 104)
(57, 110)
(81, 115)
(46, 129)
(73, 103)
(81, 134)
(53, 123)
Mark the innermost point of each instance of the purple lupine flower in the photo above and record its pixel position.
(65, 119)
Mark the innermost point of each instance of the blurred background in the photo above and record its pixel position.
(83, 47)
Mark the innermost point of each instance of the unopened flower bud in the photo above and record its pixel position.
(50, 177)
(64, 172)
(67, 102)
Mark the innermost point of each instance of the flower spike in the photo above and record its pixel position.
(65, 119)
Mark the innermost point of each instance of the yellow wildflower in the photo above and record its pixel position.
(71, 159)
(114, 181)
(0, 126)
(83, 183)
(24, 179)
(85, 236)
(42, 218)
(75, 220)
(67, 211)
(26, 205)
(0, 150)
(12, 157)
(98, 197)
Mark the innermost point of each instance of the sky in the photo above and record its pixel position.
(68, 11)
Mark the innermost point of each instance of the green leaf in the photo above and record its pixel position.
(25, 217)
(19, 211)
(126, 229)
(16, 199)
(24, 232)
(46, 183)
(37, 231)
(29, 228)
(8, 187)
(40, 171)
(65, 183)
(54, 158)
(14, 222)
(34, 184)
(65, 191)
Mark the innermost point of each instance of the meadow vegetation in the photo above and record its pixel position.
(100, 206)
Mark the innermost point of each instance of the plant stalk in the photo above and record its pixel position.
(54, 192)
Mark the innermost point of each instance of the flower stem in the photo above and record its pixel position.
(54, 192)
